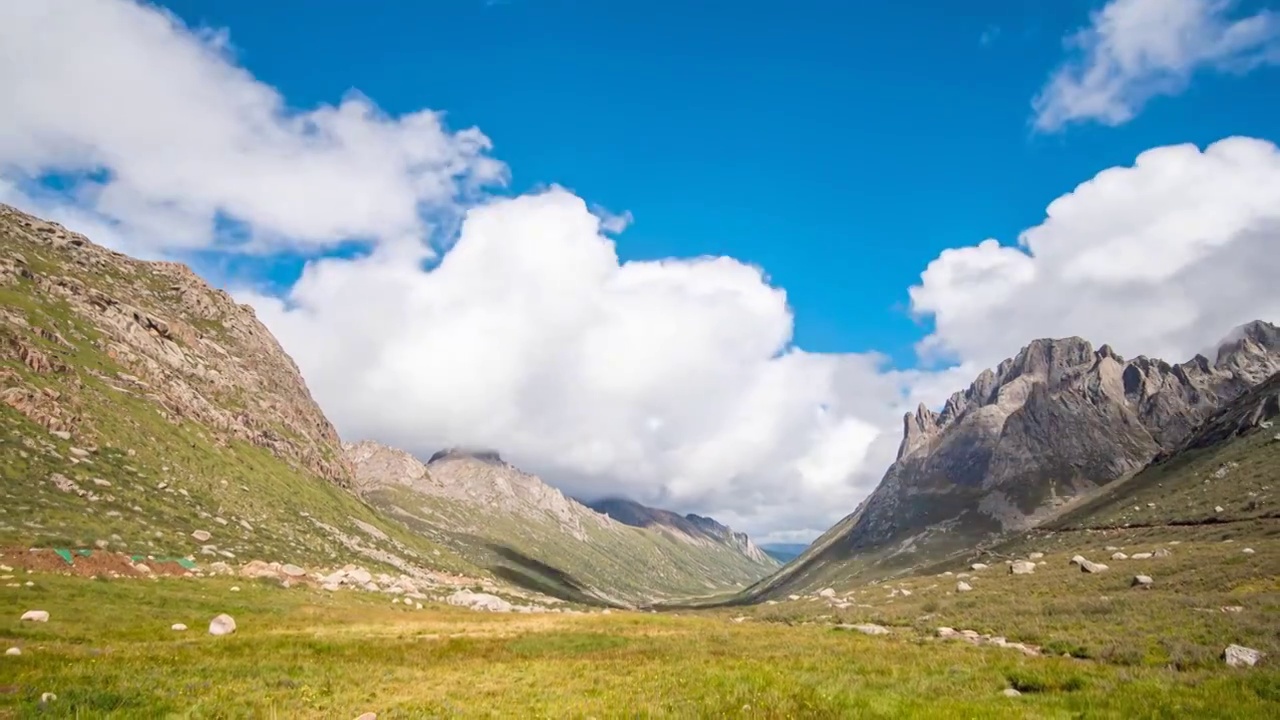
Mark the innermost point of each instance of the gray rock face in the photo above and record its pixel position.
(1042, 428)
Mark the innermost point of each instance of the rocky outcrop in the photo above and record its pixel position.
(1030, 437)
(192, 350)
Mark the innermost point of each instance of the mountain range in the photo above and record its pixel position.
(1044, 430)
(143, 411)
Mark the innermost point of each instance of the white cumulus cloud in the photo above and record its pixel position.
(1160, 258)
(170, 137)
(1135, 50)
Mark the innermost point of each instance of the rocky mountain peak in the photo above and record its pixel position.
(482, 455)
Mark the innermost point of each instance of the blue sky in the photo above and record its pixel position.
(860, 154)
(839, 145)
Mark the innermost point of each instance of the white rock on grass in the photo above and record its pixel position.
(1022, 567)
(827, 593)
(1141, 581)
(1247, 551)
(1011, 692)
(35, 616)
(978, 566)
(1142, 556)
(47, 697)
(293, 570)
(1089, 566)
(1119, 556)
(479, 601)
(201, 535)
(235, 588)
(178, 627)
(963, 586)
(1035, 556)
(866, 629)
(1241, 656)
(224, 624)
(368, 716)
(13, 651)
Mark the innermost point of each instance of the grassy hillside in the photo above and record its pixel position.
(613, 562)
(101, 444)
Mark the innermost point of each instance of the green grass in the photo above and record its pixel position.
(108, 652)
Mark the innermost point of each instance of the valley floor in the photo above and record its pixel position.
(108, 651)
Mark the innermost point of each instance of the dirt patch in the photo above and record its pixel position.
(83, 563)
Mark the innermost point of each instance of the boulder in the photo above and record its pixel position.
(178, 627)
(292, 570)
(1089, 566)
(1119, 556)
(13, 651)
(963, 586)
(827, 593)
(224, 624)
(1141, 581)
(946, 632)
(201, 535)
(35, 616)
(1035, 556)
(368, 716)
(978, 566)
(360, 576)
(1141, 556)
(1076, 560)
(1247, 551)
(1241, 656)
(1011, 692)
(479, 601)
(1163, 553)
(1022, 567)
(867, 629)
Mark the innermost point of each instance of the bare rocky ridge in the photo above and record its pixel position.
(687, 528)
(1027, 440)
(191, 349)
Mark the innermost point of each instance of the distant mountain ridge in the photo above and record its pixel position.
(531, 534)
(691, 526)
(1024, 441)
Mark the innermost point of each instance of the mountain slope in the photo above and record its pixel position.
(690, 528)
(1020, 445)
(138, 405)
(530, 534)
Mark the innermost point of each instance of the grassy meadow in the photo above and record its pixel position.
(107, 650)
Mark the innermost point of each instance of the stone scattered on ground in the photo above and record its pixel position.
(972, 636)
(866, 628)
(13, 651)
(479, 601)
(963, 586)
(1241, 656)
(827, 593)
(292, 570)
(179, 627)
(1119, 556)
(1163, 553)
(1247, 551)
(1089, 566)
(1011, 692)
(1141, 581)
(1022, 567)
(235, 588)
(368, 716)
(201, 535)
(223, 624)
(1217, 508)
(35, 616)
(48, 697)
(978, 566)
(1142, 556)
(1035, 556)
